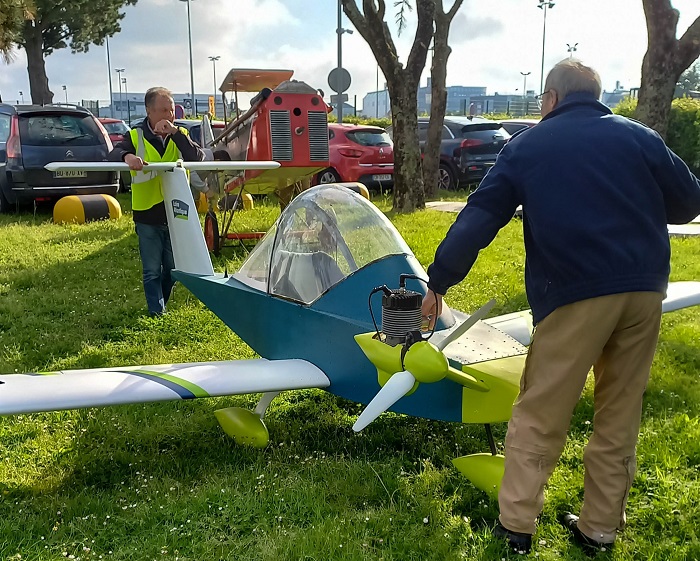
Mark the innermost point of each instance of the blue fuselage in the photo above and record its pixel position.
(322, 332)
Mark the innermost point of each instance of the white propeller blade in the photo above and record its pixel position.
(397, 386)
(466, 324)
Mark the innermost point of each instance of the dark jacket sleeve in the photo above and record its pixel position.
(488, 209)
(680, 187)
(121, 149)
(190, 150)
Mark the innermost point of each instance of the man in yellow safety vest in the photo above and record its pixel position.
(156, 139)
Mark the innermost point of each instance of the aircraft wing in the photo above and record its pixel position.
(518, 325)
(97, 387)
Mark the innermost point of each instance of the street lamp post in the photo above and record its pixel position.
(128, 105)
(65, 91)
(525, 75)
(571, 49)
(189, 35)
(21, 95)
(340, 31)
(213, 60)
(109, 73)
(377, 99)
(121, 100)
(543, 5)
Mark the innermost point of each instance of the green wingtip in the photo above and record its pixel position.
(246, 428)
(485, 471)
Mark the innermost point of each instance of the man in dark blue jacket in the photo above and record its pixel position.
(597, 192)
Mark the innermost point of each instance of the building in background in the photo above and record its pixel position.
(376, 104)
(457, 98)
(511, 104)
(136, 108)
(613, 98)
(348, 110)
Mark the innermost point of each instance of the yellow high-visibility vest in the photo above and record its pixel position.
(146, 186)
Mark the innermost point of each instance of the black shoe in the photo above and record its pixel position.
(517, 541)
(589, 545)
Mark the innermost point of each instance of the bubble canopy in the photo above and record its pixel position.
(324, 235)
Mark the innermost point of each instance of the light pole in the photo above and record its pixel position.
(213, 60)
(340, 31)
(121, 100)
(525, 75)
(128, 106)
(21, 95)
(189, 35)
(65, 91)
(377, 100)
(109, 73)
(543, 5)
(571, 49)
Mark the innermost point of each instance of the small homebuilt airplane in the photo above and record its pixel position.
(300, 300)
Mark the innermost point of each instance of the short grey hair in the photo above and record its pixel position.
(153, 93)
(572, 76)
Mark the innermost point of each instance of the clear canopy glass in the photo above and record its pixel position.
(324, 235)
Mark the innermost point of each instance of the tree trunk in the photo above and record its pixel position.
(438, 96)
(402, 84)
(664, 62)
(38, 81)
(408, 178)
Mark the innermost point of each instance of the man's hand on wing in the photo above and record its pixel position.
(134, 162)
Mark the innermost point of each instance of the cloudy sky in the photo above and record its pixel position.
(493, 41)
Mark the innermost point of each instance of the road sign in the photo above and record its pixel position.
(339, 80)
(212, 105)
(343, 98)
(187, 103)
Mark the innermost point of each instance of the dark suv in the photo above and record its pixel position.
(468, 149)
(31, 136)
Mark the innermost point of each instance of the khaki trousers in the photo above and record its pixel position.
(617, 335)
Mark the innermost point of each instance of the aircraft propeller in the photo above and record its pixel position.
(424, 362)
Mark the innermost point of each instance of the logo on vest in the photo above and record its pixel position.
(180, 209)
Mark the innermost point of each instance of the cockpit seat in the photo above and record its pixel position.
(304, 276)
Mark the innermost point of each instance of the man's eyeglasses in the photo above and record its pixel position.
(539, 97)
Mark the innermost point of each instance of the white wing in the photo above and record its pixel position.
(97, 387)
(162, 166)
(519, 324)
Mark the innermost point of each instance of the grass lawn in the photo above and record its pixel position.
(163, 482)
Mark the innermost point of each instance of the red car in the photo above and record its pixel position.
(116, 128)
(359, 153)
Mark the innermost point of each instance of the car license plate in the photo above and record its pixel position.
(68, 173)
(382, 177)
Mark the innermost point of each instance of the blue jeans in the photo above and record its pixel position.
(158, 262)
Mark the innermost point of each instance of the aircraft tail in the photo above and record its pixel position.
(189, 248)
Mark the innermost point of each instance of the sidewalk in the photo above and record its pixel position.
(684, 230)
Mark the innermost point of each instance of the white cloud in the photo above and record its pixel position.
(492, 43)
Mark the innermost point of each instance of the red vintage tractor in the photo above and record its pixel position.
(287, 122)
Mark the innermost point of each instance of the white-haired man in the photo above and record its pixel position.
(597, 191)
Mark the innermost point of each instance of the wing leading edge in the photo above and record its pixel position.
(679, 295)
(99, 387)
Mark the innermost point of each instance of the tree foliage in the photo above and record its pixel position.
(77, 23)
(13, 14)
(56, 24)
(689, 81)
(664, 62)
